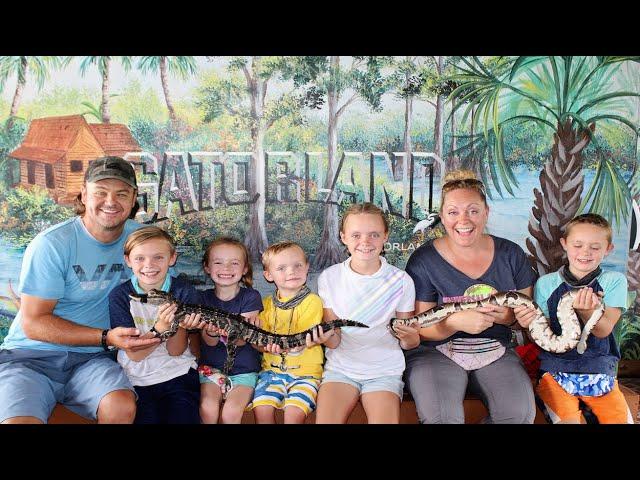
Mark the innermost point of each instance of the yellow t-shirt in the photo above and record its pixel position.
(285, 322)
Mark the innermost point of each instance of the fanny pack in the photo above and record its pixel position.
(472, 353)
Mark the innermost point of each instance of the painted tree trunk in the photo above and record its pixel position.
(438, 132)
(104, 106)
(454, 159)
(633, 262)
(633, 278)
(256, 236)
(17, 96)
(330, 250)
(561, 181)
(406, 161)
(164, 78)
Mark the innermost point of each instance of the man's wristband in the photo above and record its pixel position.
(103, 341)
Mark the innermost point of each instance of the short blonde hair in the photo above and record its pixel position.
(590, 219)
(145, 234)
(462, 178)
(278, 247)
(359, 208)
(247, 278)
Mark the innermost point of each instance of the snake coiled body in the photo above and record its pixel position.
(573, 334)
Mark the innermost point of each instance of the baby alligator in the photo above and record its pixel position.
(236, 326)
(572, 334)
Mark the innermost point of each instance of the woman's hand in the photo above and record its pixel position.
(470, 321)
(500, 314)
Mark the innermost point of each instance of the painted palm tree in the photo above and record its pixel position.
(104, 68)
(22, 68)
(181, 66)
(566, 97)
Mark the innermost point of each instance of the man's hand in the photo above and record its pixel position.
(127, 338)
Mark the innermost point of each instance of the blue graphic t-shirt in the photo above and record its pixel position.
(65, 263)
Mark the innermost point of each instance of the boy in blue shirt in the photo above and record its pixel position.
(591, 377)
(164, 375)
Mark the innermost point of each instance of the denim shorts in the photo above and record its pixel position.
(33, 381)
(387, 383)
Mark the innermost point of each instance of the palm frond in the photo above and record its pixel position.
(609, 193)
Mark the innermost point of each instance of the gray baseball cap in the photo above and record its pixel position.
(111, 167)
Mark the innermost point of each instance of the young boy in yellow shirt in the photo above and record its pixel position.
(290, 379)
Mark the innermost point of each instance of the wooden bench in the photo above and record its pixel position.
(474, 411)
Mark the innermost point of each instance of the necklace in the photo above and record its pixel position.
(283, 355)
(290, 304)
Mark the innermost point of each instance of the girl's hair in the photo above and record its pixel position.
(278, 247)
(591, 219)
(358, 208)
(145, 234)
(247, 278)
(456, 179)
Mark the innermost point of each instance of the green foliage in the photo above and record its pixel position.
(136, 102)
(25, 213)
(285, 135)
(153, 137)
(627, 331)
(22, 68)
(59, 100)
(301, 222)
(217, 95)
(197, 230)
(549, 91)
(10, 138)
(181, 66)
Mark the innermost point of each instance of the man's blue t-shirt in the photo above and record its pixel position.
(65, 263)
(247, 358)
(602, 354)
(436, 281)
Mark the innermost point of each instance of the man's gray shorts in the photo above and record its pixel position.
(33, 381)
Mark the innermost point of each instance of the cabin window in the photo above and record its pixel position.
(76, 165)
(48, 175)
(31, 173)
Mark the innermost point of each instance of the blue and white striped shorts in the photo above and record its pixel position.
(280, 390)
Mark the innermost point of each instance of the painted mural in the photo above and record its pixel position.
(272, 148)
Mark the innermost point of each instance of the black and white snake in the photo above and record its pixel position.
(572, 336)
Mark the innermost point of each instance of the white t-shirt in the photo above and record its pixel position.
(159, 366)
(366, 353)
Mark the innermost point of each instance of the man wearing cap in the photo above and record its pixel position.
(58, 349)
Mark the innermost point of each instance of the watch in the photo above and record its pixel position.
(162, 335)
(103, 341)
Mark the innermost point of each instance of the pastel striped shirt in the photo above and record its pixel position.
(366, 353)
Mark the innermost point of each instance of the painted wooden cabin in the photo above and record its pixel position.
(56, 151)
